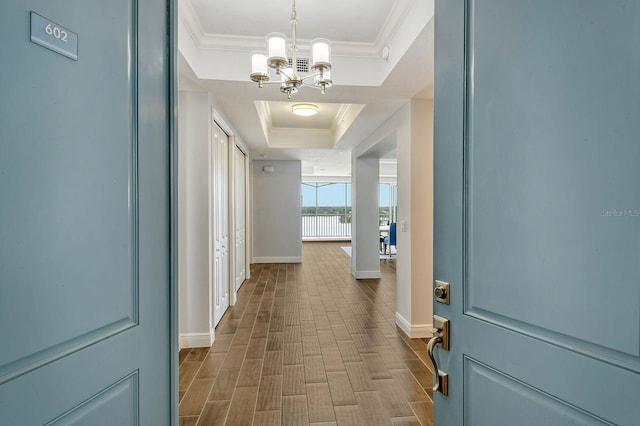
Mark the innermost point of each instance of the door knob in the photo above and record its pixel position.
(440, 337)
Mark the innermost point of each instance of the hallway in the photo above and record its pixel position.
(308, 344)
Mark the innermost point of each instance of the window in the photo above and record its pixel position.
(388, 203)
(326, 210)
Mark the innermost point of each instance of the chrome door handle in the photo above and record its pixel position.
(440, 337)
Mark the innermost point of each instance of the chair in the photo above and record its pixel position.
(390, 240)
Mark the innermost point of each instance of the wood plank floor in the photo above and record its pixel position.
(308, 344)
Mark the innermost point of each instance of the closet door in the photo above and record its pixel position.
(240, 218)
(220, 209)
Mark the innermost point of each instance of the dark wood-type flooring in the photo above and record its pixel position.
(308, 344)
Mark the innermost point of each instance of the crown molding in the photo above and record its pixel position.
(282, 137)
(339, 118)
(237, 43)
(264, 114)
(226, 42)
(393, 23)
(303, 131)
(189, 18)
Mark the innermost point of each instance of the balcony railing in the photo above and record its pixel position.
(326, 225)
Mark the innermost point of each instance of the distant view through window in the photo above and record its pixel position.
(326, 208)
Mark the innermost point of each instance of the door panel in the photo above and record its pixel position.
(486, 387)
(113, 406)
(84, 225)
(536, 209)
(220, 161)
(537, 220)
(62, 215)
(240, 217)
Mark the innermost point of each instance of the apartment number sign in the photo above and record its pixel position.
(54, 37)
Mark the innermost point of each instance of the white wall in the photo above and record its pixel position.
(403, 238)
(422, 214)
(277, 212)
(193, 218)
(415, 213)
(194, 134)
(410, 130)
(365, 258)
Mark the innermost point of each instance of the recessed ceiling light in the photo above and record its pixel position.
(304, 110)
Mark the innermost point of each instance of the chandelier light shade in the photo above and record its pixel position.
(277, 49)
(304, 109)
(276, 58)
(321, 53)
(259, 68)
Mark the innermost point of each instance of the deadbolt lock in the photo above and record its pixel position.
(441, 292)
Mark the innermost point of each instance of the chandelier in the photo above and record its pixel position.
(276, 58)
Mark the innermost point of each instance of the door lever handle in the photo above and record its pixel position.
(440, 378)
(440, 337)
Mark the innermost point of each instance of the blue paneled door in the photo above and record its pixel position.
(537, 210)
(84, 213)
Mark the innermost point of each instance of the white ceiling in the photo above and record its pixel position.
(282, 117)
(328, 19)
(216, 37)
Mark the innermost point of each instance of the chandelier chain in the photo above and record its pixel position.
(294, 41)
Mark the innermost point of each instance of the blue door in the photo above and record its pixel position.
(84, 213)
(537, 210)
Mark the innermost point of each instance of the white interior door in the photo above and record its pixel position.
(240, 218)
(220, 222)
(537, 211)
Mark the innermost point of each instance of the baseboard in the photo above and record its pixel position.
(421, 331)
(366, 275)
(196, 340)
(418, 331)
(403, 324)
(277, 259)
